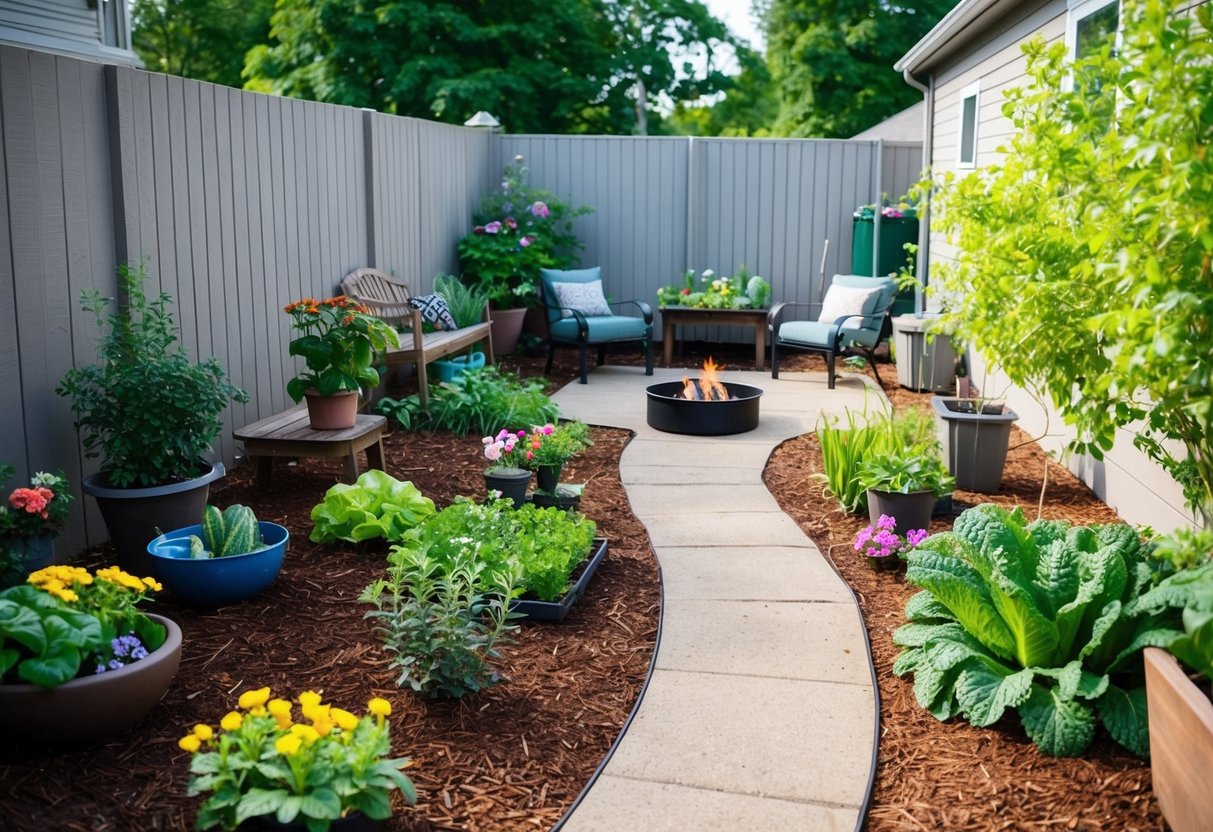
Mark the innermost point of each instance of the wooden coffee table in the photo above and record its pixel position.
(672, 316)
(288, 434)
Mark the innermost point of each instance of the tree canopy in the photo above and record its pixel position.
(202, 39)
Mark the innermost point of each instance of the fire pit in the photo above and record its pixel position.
(703, 407)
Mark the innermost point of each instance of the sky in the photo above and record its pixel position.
(736, 13)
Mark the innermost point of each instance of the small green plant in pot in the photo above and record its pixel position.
(151, 415)
(904, 484)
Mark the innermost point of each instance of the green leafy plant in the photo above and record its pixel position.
(466, 301)
(339, 342)
(67, 622)
(905, 471)
(376, 506)
(233, 531)
(148, 411)
(261, 762)
(443, 619)
(555, 444)
(1084, 264)
(741, 291)
(1185, 548)
(844, 449)
(1040, 618)
(519, 230)
(479, 401)
(1191, 591)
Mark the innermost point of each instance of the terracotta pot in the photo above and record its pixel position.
(92, 708)
(336, 412)
(511, 482)
(547, 477)
(505, 329)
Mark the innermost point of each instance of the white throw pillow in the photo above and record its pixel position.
(846, 300)
(586, 298)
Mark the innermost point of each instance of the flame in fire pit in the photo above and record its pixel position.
(707, 388)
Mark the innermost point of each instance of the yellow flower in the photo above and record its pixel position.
(287, 745)
(309, 699)
(68, 595)
(232, 721)
(203, 732)
(316, 713)
(306, 733)
(345, 720)
(189, 743)
(251, 699)
(152, 584)
(323, 727)
(280, 709)
(379, 707)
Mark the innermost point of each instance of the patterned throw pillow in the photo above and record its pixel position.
(846, 300)
(434, 309)
(586, 298)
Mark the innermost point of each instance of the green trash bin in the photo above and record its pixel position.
(895, 232)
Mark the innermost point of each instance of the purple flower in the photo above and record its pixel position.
(886, 522)
(124, 645)
(138, 653)
(526, 241)
(493, 227)
(540, 209)
(100, 669)
(511, 223)
(116, 664)
(916, 536)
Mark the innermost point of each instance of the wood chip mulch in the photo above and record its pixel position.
(515, 757)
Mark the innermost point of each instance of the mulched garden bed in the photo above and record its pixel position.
(516, 756)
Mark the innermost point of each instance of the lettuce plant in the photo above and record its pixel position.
(1040, 618)
(377, 505)
(1192, 591)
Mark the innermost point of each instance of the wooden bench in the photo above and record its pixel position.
(289, 434)
(388, 300)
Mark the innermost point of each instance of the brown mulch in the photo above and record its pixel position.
(516, 756)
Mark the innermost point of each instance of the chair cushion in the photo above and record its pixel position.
(601, 330)
(888, 288)
(550, 276)
(817, 335)
(434, 309)
(848, 300)
(586, 298)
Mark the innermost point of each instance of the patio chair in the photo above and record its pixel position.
(854, 316)
(579, 316)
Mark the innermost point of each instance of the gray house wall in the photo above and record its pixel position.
(239, 203)
(69, 27)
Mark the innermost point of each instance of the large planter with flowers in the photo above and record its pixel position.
(28, 527)
(339, 342)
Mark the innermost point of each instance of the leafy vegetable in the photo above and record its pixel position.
(906, 471)
(478, 401)
(1191, 591)
(42, 638)
(1042, 618)
(377, 505)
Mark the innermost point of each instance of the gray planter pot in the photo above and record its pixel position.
(922, 364)
(911, 511)
(974, 444)
(132, 515)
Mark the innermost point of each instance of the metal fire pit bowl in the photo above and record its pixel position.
(703, 418)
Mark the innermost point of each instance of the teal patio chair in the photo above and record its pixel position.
(579, 316)
(858, 317)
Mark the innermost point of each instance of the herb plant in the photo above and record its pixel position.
(443, 619)
(376, 506)
(905, 471)
(478, 401)
(844, 449)
(466, 301)
(148, 411)
(1039, 618)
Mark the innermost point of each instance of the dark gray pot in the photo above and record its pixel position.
(511, 482)
(132, 515)
(974, 444)
(911, 511)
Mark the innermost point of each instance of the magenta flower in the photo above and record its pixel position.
(493, 227)
(539, 209)
(478, 229)
(526, 241)
(510, 223)
(916, 536)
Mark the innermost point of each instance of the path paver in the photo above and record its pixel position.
(760, 711)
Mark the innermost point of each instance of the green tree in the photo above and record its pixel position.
(1084, 264)
(831, 61)
(749, 106)
(202, 39)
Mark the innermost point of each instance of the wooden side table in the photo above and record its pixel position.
(672, 316)
(288, 434)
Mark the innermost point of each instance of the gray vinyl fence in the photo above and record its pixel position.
(240, 203)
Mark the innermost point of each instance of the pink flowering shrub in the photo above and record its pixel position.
(879, 541)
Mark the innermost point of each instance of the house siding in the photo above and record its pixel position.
(66, 27)
(1137, 488)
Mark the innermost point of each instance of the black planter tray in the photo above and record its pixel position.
(554, 612)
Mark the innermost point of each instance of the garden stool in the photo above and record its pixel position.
(288, 434)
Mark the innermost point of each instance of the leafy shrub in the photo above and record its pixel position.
(377, 505)
(844, 450)
(479, 401)
(1040, 618)
(465, 302)
(442, 618)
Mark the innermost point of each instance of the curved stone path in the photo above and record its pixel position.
(760, 711)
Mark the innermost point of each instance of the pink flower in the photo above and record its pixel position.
(32, 500)
(539, 209)
(526, 241)
(548, 429)
(510, 223)
(529, 456)
(478, 229)
(493, 227)
(916, 536)
(492, 452)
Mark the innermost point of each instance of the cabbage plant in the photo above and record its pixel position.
(1037, 618)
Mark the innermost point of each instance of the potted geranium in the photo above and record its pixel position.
(29, 522)
(508, 474)
(319, 766)
(81, 660)
(151, 415)
(547, 448)
(339, 342)
(517, 231)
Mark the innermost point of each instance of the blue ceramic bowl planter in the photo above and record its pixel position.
(216, 582)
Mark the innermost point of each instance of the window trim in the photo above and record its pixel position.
(973, 91)
(1077, 10)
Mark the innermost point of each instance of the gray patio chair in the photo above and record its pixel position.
(579, 316)
(863, 304)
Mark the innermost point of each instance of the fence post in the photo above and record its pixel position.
(877, 180)
(368, 163)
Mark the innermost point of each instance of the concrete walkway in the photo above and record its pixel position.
(760, 710)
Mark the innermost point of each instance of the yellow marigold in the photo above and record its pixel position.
(203, 732)
(306, 733)
(232, 721)
(119, 578)
(345, 720)
(309, 699)
(379, 707)
(287, 745)
(152, 584)
(189, 743)
(251, 699)
(68, 596)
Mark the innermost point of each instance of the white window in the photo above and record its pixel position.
(1091, 25)
(970, 101)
